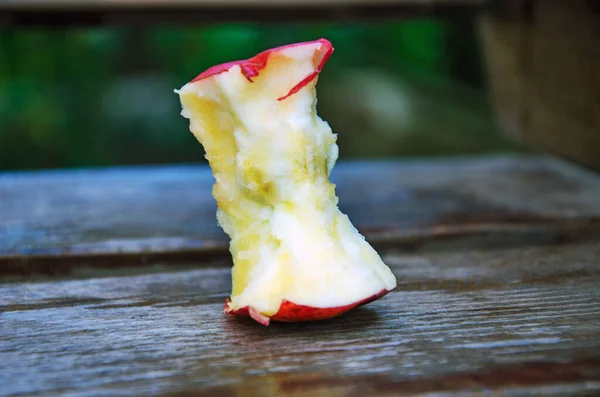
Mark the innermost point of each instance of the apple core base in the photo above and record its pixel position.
(291, 312)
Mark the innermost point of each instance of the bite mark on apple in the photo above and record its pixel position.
(251, 67)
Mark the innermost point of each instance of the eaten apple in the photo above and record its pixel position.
(296, 256)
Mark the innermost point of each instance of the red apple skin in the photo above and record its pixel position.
(251, 67)
(290, 312)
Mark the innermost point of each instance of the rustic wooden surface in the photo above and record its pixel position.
(55, 221)
(543, 60)
(498, 263)
(155, 12)
(520, 321)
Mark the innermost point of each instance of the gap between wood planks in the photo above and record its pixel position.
(441, 239)
(85, 223)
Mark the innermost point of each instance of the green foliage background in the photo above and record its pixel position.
(96, 97)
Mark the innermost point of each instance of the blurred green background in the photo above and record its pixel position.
(96, 97)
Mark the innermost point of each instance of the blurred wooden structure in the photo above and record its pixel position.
(113, 280)
(542, 55)
(543, 59)
(156, 12)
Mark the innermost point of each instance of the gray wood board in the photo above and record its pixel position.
(516, 321)
(163, 209)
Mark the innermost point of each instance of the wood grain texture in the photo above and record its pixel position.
(133, 208)
(509, 322)
(57, 220)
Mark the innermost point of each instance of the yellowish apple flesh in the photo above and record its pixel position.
(296, 256)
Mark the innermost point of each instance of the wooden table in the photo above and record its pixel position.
(113, 282)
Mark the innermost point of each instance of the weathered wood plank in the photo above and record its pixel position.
(170, 209)
(155, 12)
(521, 321)
(570, 379)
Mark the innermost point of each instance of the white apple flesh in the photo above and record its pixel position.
(296, 256)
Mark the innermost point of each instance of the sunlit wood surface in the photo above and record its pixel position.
(113, 282)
